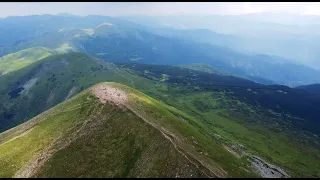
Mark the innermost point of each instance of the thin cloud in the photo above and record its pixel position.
(156, 8)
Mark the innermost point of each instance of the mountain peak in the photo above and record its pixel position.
(105, 24)
(106, 127)
(107, 93)
(65, 14)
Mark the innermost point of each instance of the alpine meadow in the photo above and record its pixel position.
(131, 94)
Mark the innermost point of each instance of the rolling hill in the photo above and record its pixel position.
(26, 92)
(23, 58)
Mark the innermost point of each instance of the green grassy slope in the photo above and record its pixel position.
(231, 120)
(20, 59)
(215, 112)
(238, 123)
(83, 137)
(48, 82)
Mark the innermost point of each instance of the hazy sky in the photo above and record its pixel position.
(156, 8)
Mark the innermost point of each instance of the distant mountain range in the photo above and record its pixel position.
(290, 36)
(122, 41)
(312, 88)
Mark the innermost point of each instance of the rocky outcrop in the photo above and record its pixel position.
(267, 170)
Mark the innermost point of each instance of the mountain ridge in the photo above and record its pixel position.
(33, 169)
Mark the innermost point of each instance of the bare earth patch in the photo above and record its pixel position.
(229, 149)
(110, 94)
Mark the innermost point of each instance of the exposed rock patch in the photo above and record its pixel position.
(23, 89)
(29, 84)
(110, 94)
(267, 170)
(50, 98)
(71, 92)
